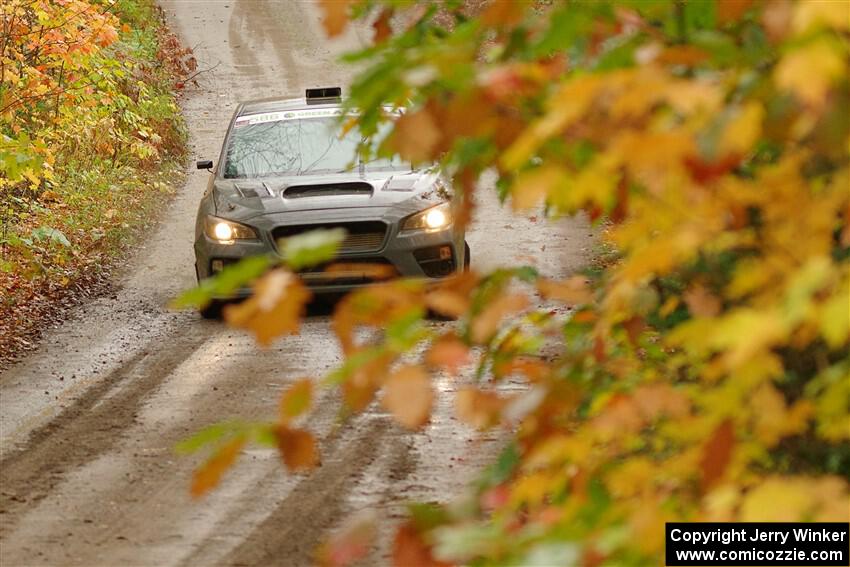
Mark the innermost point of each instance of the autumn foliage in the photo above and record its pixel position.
(702, 370)
(88, 121)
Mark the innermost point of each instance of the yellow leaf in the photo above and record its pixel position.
(415, 136)
(486, 323)
(830, 13)
(778, 500)
(774, 420)
(835, 318)
(334, 16)
(743, 130)
(567, 106)
(296, 400)
(533, 186)
(572, 291)
(408, 396)
(533, 489)
(209, 475)
(274, 309)
(808, 72)
(479, 408)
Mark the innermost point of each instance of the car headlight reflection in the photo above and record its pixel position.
(435, 218)
(225, 231)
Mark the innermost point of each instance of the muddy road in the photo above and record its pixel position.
(88, 422)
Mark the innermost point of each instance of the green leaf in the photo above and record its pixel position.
(52, 234)
(427, 516)
(207, 436)
(552, 553)
(225, 283)
(352, 363)
(311, 248)
(502, 469)
(405, 331)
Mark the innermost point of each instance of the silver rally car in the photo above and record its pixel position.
(284, 169)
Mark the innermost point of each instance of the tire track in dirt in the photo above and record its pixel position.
(296, 527)
(92, 425)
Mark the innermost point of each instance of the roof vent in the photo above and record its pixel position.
(324, 95)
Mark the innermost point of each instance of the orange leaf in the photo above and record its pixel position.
(503, 13)
(655, 400)
(209, 475)
(410, 550)
(358, 396)
(408, 396)
(374, 305)
(682, 55)
(382, 27)
(448, 352)
(447, 303)
(732, 10)
(415, 136)
(571, 291)
(297, 448)
(621, 415)
(701, 302)
(487, 322)
(335, 16)
(478, 408)
(296, 400)
(274, 309)
(350, 544)
(372, 271)
(634, 326)
(716, 453)
(533, 369)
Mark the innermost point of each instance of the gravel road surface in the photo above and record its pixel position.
(88, 422)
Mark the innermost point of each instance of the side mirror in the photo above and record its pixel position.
(204, 164)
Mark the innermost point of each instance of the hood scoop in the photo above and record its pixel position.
(263, 191)
(328, 190)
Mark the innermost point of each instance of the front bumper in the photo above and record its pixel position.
(418, 254)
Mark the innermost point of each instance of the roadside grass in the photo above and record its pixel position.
(61, 238)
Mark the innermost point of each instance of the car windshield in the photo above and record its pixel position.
(266, 146)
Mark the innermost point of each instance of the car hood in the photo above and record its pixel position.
(242, 199)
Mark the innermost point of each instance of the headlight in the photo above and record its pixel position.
(435, 218)
(225, 231)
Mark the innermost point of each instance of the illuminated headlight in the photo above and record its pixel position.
(225, 231)
(435, 218)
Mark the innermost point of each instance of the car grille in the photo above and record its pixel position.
(367, 236)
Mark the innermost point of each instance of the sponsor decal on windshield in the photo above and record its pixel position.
(288, 115)
(252, 119)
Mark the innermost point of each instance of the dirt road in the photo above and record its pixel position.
(88, 422)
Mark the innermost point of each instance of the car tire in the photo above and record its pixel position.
(212, 310)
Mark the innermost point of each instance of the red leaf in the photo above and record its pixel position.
(382, 27)
(717, 453)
